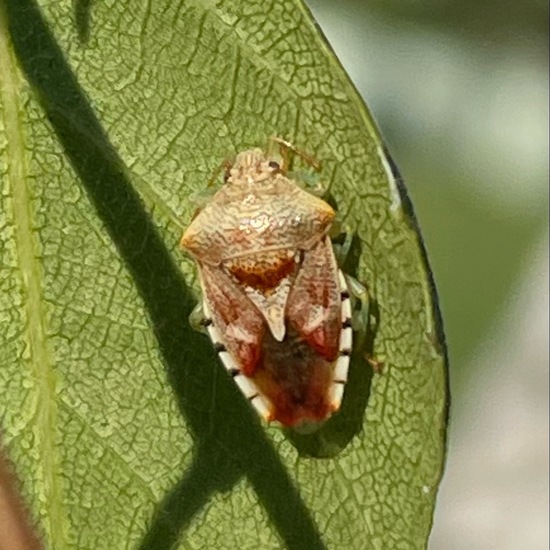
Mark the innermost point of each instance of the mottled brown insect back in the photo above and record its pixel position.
(276, 305)
(258, 210)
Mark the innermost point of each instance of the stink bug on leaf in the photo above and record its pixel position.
(275, 304)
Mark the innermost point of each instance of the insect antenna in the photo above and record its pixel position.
(286, 146)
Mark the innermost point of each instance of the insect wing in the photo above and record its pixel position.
(314, 303)
(234, 316)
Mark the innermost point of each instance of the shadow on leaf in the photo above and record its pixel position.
(230, 440)
(82, 18)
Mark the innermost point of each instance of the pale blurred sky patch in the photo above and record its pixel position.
(494, 493)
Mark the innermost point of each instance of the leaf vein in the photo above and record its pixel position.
(40, 358)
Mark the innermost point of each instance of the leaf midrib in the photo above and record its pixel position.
(40, 360)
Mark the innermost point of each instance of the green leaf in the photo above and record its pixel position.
(124, 430)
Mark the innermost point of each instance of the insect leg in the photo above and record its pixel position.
(286, 146)
(363, 320)
(198, 320)
(343, 248)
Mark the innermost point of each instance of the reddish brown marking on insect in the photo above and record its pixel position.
(263, 276)
(295, 379)
(314, 303)
(248, 356)
(236, 317)
(325, 340)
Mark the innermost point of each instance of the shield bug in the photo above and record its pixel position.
(275, 304)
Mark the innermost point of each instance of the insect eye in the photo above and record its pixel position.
(274, 165)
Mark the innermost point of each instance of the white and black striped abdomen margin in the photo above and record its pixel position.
(340, 373)
(247, 386)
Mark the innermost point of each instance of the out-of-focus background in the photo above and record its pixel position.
(460, 91)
